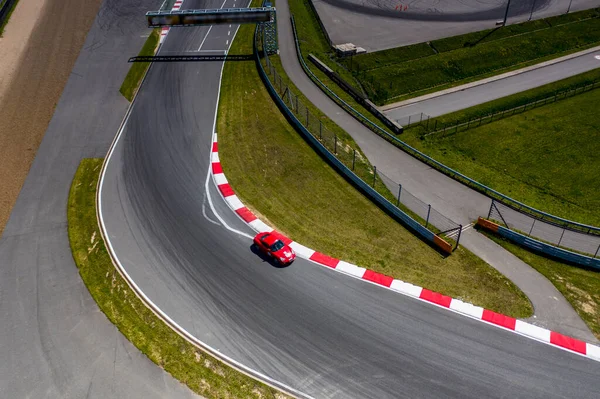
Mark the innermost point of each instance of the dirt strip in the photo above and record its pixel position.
(37, 52)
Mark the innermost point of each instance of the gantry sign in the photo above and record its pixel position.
(258, 15)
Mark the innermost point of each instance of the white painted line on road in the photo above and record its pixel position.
(228, 32)
(227, 42)
(203, 40)
(597, 57)
(204, 212)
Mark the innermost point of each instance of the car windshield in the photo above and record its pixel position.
(277, 245)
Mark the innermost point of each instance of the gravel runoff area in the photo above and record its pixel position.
(37, 52)
(382, 24)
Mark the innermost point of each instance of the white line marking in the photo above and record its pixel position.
(203, 40)
(227, 42)
(204, 212)
(596, 56)
(228, 32)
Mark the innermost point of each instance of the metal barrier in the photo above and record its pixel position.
(546, 232)
(539, 246)
(493, 194)
(344, 159)
(5, 10)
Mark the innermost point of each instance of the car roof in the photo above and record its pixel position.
(269, 239)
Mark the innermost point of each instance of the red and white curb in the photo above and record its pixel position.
(423, 294)
(164, 31)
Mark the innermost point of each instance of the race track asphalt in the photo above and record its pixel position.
(307, 326)
(54, 341)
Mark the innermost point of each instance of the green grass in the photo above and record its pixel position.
(3, 23)
(138, 69)
(491, 57)
(579, 286)
(546, 157)
(200, 372)
(282, 179)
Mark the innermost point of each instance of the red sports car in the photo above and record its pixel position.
(272, 246)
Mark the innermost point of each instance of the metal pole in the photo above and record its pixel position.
(597, 251)
(335, 144)
(458, 238)
(490, 212)
(428, 212)
(531, 13)
(353, 158)
(374, 175)
(400, 192)
(560, 239)
(533, 224)
(408, 120)
(506, 13)
(569, 9)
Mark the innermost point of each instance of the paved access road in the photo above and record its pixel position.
(54, 342)
(307, 326)
(475, 95)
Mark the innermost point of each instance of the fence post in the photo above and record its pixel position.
(335, 144)
(374, 175)
(408, 120)
(456, 131)
(427, 127)
(490, 212)
(560, 239)
(596, 254)
(468, 123)
(458, 238)
(533, 224)
(435, 127)
(400, 192)
(479, 121)
(428, 213)
(320, 130)
(306, 117)
(421, 120)
(353, 158)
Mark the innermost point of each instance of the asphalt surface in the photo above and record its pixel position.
(54, 341)
(379, 24)
(476, 95)
(307, 326)
(447, 196)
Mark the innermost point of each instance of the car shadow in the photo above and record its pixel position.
(266, 258)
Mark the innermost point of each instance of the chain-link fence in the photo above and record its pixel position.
(353, 159)
(550, 233)
(432, 125)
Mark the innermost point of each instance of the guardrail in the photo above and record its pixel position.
(539, 246)
(364, 187)
(489, 192)
(5, 10)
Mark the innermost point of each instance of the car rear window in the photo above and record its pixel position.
(277, 245)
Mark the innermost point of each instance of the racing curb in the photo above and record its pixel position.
(496, 319)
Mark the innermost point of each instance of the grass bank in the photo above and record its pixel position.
(138, 69)
(579, 286)
(408, 71)
(202, 373)
(546, 157)
(283, 180)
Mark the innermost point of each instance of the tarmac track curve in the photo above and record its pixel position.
(306, 326)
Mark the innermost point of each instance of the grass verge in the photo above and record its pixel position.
(545, 157)
(202, 373)
(395, 76)
(579, 286)
(138, 69)
(284, 181)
